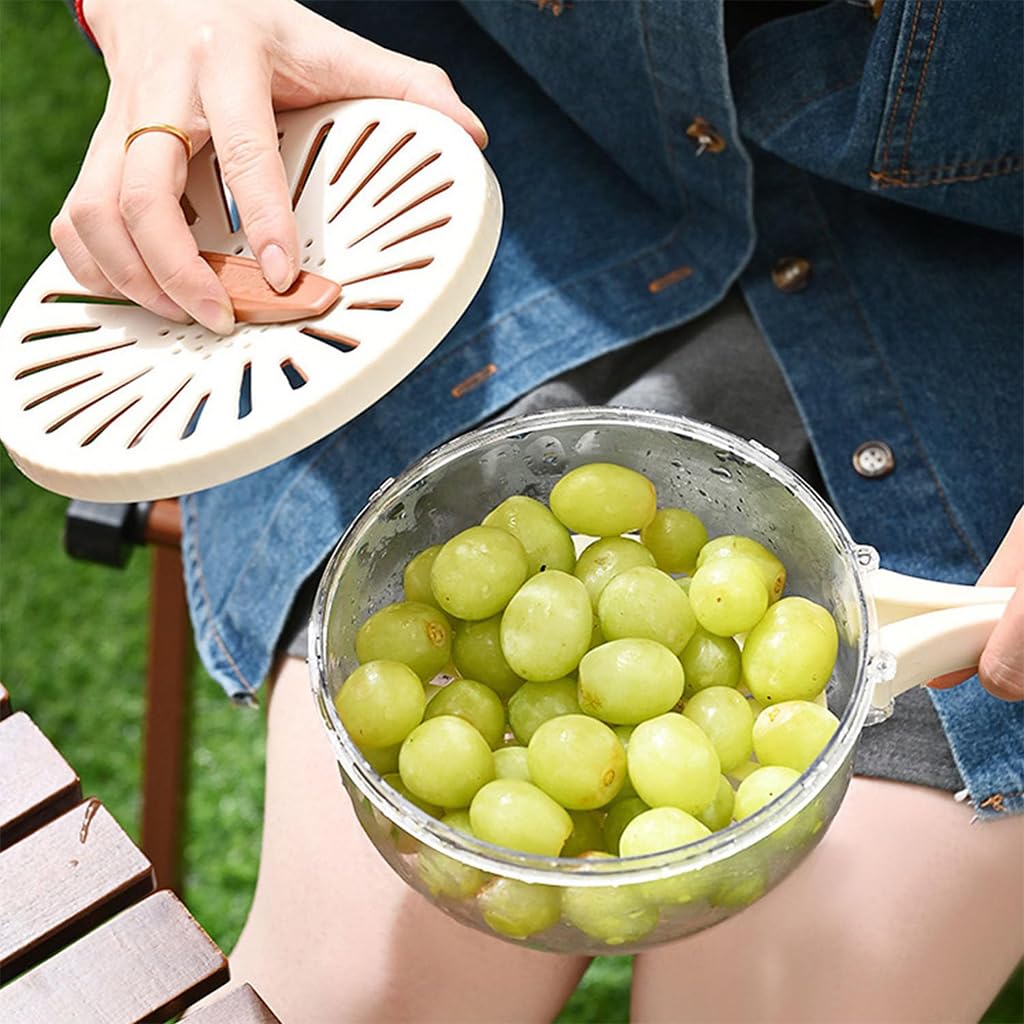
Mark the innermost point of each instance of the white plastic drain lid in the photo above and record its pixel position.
(109, 402)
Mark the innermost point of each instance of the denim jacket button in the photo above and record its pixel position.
(707, 139)
(874, 459)
(791, 274)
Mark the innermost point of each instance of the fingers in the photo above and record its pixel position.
(149, 203)
(92, 239)
(1001, 669)
(1001, 666)
(951, 679)
(352, 66)
(238, 105)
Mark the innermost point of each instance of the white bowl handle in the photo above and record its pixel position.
(928, 629)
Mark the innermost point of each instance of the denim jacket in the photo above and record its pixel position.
(645, 171)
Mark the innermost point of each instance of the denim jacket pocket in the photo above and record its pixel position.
(949, 139)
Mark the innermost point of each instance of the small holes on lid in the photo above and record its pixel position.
(308, 242)
(293, 374)
(239, 249)
(180, 337)
(245, 392)
(193, 420)
(163, 332)
(320, 262)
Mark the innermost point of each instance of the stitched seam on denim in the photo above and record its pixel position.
(965, 165)
(889, 182)
(286, 493)
(919, 92)
(869, 334)
(204, 604)
(666, 124)
(800, 105)
(903, 78)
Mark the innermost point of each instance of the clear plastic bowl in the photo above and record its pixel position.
(620, 904)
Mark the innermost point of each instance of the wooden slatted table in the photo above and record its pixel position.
(83, 936)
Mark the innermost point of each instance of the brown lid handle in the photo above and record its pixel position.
(255, 302)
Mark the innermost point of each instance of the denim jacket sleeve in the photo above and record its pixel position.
(922, 107)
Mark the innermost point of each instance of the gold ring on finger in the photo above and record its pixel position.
(167, 129)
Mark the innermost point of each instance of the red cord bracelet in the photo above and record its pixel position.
(83, 24)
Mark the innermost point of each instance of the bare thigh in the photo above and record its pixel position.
(906, 912)
(335, 936)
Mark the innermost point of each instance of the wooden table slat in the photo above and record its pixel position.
(36, 783)
(240, 1006)
(62, 881)
(147, 964)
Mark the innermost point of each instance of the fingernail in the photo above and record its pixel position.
(483, 130)
(277, 268)
(216, 316)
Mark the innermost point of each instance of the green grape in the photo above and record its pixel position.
(547, 626)
(684, 585)
(446, 877)
(728, 595)
(603, 560)
(792, 734)
(613, 914)
(619, 815)
(519, 909)
(624, 732)
(587, 834)
(718, 813)
(675, 538)
(547, 542)
(726, 719)
(394, 780)
(761, 787)
(477, 704)
(661, 828)
(534, 703)
(737, 775)
(740, 892)
(476, 651)
(790, 653)
(658, 830)
(577, 761)
(511, 763)
(519, 816)
(773, 572)
(628, 681)
(417, 635)
(459, 820)
(476, 573)
(673, 764)
(380, 703)
(383, 760)
(416, 578)
(445, 760)
(708, 660)
(646, 603)
(596, 636)
(603, 500)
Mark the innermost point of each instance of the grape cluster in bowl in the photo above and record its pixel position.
(626, 700)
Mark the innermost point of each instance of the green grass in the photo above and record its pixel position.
(72, 635)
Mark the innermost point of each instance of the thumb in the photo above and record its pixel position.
(350, 67)
(1001, 668)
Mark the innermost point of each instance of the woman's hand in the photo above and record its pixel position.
(1001, 668)
(211, 69)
